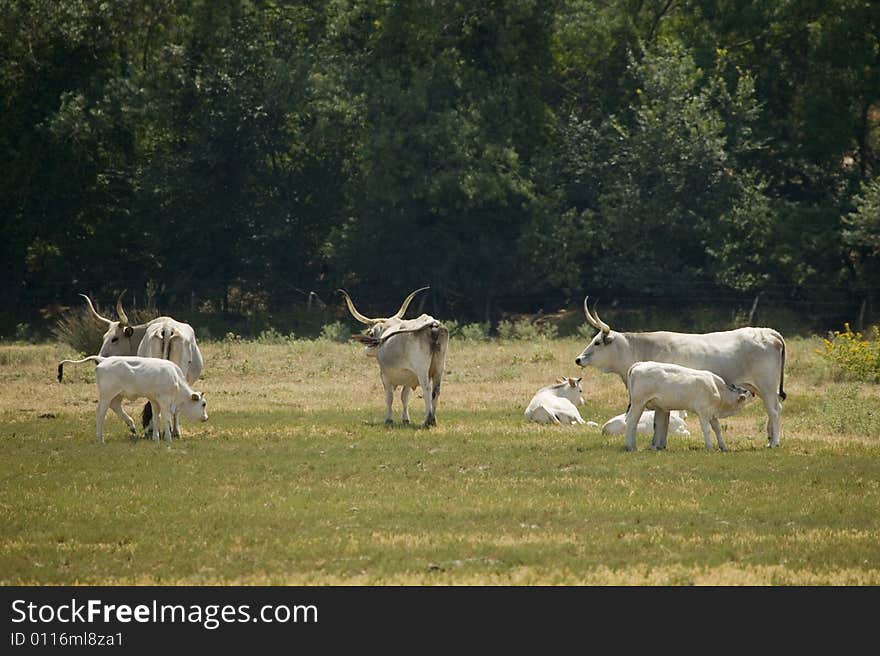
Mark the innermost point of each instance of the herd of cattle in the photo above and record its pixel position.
(666, 374)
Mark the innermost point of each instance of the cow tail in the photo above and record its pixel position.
(94, 358)
(782, 394)
(146, 414)
(167, 336)
(435, 337)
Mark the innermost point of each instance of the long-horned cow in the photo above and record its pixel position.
(171, 340)
(121, 338)
(411, 353)
(753, 358)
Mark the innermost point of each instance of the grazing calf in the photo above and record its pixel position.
(617, 425)
(133, 377)
(664, 387)
(557, 404)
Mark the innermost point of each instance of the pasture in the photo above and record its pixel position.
(295, 480)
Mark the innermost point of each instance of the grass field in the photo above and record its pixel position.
(295, 480)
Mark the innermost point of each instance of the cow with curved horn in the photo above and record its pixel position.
(753, 358)
(121, 337)
(411, 353)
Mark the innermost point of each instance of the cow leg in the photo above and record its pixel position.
(404, 400)
(167, 413)
(175, 425)
(99, 424)
(633, 414)
(774, 417)
(428, 393)
(661, 429)
(116, 406)
(707, 438)
(389, 399)
(716, 426)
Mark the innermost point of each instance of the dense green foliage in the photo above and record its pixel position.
(233, 152)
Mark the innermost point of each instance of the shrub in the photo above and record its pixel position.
(335, 332)
(524, 329)
(475, 332)
(272, 336)
(853, 355)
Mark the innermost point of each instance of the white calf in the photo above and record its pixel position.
(556, 404)
(617, 425)
(132, 377)
(664, 387)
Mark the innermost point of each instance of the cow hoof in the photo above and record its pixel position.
(404, 421)
(388, 422)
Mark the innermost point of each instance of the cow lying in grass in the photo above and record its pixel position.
(617, 425)
(132, 377)
(557, 404)
(664, 387)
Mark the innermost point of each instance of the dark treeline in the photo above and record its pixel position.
(516, 153)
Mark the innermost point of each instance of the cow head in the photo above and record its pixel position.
(733, 398)
(737, 396)
(570, 388)
(603, 350)
(120, 338)
(195, 408)
(381, 326)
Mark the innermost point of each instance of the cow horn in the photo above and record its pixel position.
(357, 315)
(123, 318)
(94, 312)
(595, 321)
(590, 319)
(604, 327)
(406, 303)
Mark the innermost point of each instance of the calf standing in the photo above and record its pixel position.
(133, 377)
(663, 387)
(557, 403)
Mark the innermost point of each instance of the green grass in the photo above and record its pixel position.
(295, 480)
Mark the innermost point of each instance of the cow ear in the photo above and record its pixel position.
(128, 331)
(578, 380)
(195, 396)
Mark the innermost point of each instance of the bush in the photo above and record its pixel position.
(524, 329)
(272, 336)
(335, 332)
(475, 332)
(853, 355)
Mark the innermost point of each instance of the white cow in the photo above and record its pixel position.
(665, 386)
(121, 337)
(751, 357)
(410, 353)
(175, 341)
(557, 404)
(617, 424)
(133, 377)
